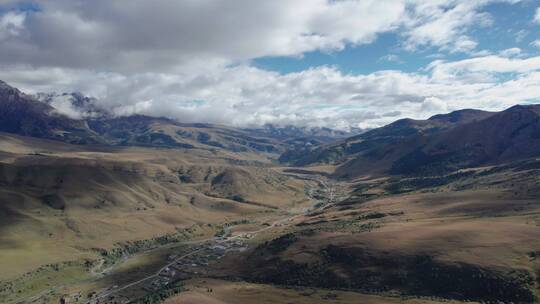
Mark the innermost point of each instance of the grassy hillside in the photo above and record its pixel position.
(470, 237)
(61, 202)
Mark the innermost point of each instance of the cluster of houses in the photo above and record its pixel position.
(193, 265)
(181, 268)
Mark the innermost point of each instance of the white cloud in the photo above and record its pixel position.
(482, 69)
(391, 58)
(520, 35)
(190, 59)
(324, 96)
(140, 36)
(434, 105)
(511, 52)
(537, 16)
(63, 105)
(156, 36)
(11, 25)
(444, 24)
(536, 43)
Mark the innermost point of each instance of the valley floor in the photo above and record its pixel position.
(153, 226)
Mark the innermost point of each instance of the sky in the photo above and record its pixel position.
(324, 63)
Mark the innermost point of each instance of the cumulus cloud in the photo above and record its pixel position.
(191, 60)
(434, 105)
(156, 36)
(323, 96)
(445, 24)
(482, 69)
(180, 36)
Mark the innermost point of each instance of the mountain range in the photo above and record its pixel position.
(36, 116)
(439, 145)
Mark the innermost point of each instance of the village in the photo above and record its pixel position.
(192, 266)
(179, 268)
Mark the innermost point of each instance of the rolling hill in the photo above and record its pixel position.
(469, 237)
(58, 201)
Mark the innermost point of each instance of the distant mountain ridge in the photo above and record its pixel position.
(75, 118)
(24, 115)
(377, 138)
(440, 144)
